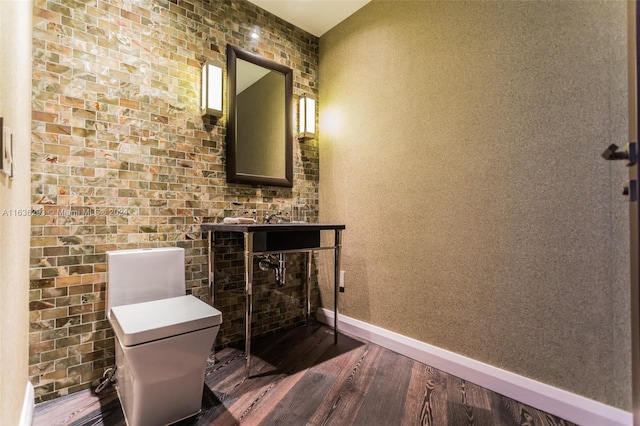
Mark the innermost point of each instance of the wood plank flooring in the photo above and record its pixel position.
(301, 378)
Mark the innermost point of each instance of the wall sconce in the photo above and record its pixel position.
(211, 90)
(306, 118)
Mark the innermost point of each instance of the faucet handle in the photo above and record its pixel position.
(269, 217)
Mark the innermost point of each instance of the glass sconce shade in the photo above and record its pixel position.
(211, 90)
(306, 117)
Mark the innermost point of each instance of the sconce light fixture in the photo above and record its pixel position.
(211, 90)
(306, 118)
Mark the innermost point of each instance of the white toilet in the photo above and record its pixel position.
(163, 337)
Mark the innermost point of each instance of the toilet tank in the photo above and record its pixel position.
(143, 275)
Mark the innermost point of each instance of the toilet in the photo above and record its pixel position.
(163, 336)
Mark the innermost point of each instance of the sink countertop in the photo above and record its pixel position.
(270, 227)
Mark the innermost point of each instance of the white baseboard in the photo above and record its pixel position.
(28, 405)
(567, 405)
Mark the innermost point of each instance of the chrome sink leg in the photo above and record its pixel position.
(248, 277)
(211, 248)
(336, 281)
(307, 305)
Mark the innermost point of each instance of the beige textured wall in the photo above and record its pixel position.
(15, 107)
(460, 143)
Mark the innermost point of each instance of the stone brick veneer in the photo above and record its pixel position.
(122, 159)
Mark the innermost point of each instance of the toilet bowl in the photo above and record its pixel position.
(163, 337)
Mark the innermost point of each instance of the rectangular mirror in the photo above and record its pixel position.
(259, 129)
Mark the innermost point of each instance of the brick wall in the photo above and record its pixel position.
(122, 159)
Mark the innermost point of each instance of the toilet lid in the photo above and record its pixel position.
(143, 322)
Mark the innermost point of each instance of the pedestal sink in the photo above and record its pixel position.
(261, 238)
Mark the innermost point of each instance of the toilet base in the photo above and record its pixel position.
(161, 382)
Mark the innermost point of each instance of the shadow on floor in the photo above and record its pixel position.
(297, 350)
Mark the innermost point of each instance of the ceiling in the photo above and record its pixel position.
(314, 16)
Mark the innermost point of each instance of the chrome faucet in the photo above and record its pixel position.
(269, 217)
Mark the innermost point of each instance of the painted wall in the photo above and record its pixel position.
(121, 158)
(460, 143)
(15, 108)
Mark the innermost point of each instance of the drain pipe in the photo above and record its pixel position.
(279, 268)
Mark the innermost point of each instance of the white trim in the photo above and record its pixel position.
(567, 405)
(28, 405)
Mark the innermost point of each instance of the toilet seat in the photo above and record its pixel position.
(144, 322)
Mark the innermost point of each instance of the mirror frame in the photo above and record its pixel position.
(233, 176)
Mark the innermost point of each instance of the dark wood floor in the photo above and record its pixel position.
(301, 378)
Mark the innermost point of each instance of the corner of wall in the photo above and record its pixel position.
(28, 406)
(567, 405)
(15, 107)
